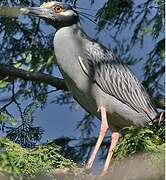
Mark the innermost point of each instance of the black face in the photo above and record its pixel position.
(55, 13)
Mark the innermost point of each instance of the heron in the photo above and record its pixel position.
(96, 77)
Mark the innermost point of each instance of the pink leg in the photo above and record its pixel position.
(114, 139)
(103, 130)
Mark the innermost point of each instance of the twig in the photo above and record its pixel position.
(15, 101)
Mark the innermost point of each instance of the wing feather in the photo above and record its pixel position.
(116, 79)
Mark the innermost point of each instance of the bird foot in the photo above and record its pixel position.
(88, 169)
(160, 118)
(103, 174)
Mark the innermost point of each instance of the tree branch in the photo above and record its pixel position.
(9, 71)
(58, 83)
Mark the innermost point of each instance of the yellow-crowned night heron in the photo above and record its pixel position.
(97, 79)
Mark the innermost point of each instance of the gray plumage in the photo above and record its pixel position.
(90, 69)
(115, 79)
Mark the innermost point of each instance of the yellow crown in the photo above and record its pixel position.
(47, 4)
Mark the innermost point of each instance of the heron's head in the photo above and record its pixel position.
(55, 13)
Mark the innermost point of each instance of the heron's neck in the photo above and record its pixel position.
(72, 32)
(69, 44)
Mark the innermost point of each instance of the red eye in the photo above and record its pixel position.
(58, 9)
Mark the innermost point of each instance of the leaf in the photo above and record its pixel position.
(1, 119)
(17, 64)
(3, 83)
(8, 118)
(11, 121)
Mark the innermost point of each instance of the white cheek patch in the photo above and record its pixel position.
(68, 13)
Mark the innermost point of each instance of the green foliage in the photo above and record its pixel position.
(21, 131)
(6, 117)
(116, 11)
(140, 154)
(3, 83)
(155, 68)
(25, 45)
(20, 162)
(137, 145)
(148, 139)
